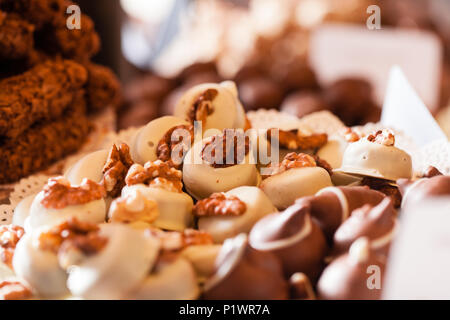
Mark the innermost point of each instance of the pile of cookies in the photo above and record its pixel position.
(178, 213)
(48, 85)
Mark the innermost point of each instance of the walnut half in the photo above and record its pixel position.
(134, 207)
(291, 160)
(9, 237)
(219, 204)
(156, 174)
(116, 168)
(295, 139)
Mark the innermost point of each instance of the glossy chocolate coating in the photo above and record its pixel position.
(260, 92)
(302, 103)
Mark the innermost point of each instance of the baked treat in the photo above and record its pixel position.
(225, 215)
(16, 36)
(213, 165)
(243, 273)
(295, 238)
(356, 275)
(102, 88)
(298, 175)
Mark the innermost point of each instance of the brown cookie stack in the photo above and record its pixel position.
(48, 85)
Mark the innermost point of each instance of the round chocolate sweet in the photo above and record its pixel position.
(293, 237)
(243, 273)
(414, 192)
(377, 223)
(260, 93)
(302, 103)
(148, 88)
(357, 275)
(137, 114)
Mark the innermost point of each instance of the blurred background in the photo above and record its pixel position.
(161, 48)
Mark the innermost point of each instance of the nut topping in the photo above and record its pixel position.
(58, 193)
(202, 107)
(169, 142)
(219, 204)
(116, 168)
(431, 172)
(227, 149)
(14, 290)
(175, 241)
(384, 137)
(156, 174)
(291, 160)
(9, 237)
(295, 139)
(350, 135)
(132, 208)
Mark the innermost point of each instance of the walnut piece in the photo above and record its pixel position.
(58, 193)
(202, 106)
(156, 174)
(384, 187)
(323, 164)
(384, 137)
(295, 139)
(176, 241)
(350, 135)
(219, 204)
(9, 237)
(291, 160)
(14, 290)
(431, 172)
(169, 142)
(134, 207)
(116, 168)
(227, 149)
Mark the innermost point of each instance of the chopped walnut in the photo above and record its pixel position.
(248, 124)
(323, 164)
(116, 168)
(227, 149)
(14, 290)
(294, 139)
(431, 172)
(132, 208)
(384, 137)
(176, 241)
(291, 161)
(9, 237)
(350, 135)
(58, 193)
(219, 204)
(156, 174)
(384, 187)
(202, 106)
(169, 142)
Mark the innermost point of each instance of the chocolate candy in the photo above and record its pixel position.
(260, 93)
(414, 192)
(302, 103)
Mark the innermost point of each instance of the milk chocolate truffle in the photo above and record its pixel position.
(155, 140)
(357, 275)
(216, 105)
(333, 205)
(225, 215)
(260, 93)
(378, 224)
(294, 238)
(296, 176)
(301, 103)
(376, 156)
(114, 269)
(418, 190)
(243, 273)
(215, 165)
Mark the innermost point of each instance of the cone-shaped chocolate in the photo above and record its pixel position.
(377, 223)
(300, 287)
(294, 237)
(243, 273)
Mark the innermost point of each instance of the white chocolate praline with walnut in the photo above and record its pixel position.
(118, 268)
(333, 151)
(133, 208)
(221, 227)
(227, 111)
(22, 211)
(88, 167)
(144, 144)
(202, 258)
(202, 179)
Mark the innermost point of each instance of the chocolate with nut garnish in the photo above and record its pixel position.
(58, 193)
(14, 290)
(260, 93)
(294, 237)
(243, 273)
(377, 223)
(168, 143)
(357, 275)
(219, 152)
(301, 103)
(175, 241)
(331, 206)
(296, 140)
(415, 191)
(156, 174)
(9, 237)
(219, 204)
(116, 168)
(202, 106)
(385, 187)
(134, 207)
(291, 160)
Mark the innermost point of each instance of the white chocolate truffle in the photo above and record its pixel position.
(202, 179)
(227, 111)
(175, 208)
(376, 160)
(333, 151)
(39, 268)
(145, 143)
(175, 280)
(223, 227)
(203, 259)
(90, 167)
(22, 211)
(118, 268)
(284, 188)
(40, 216)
